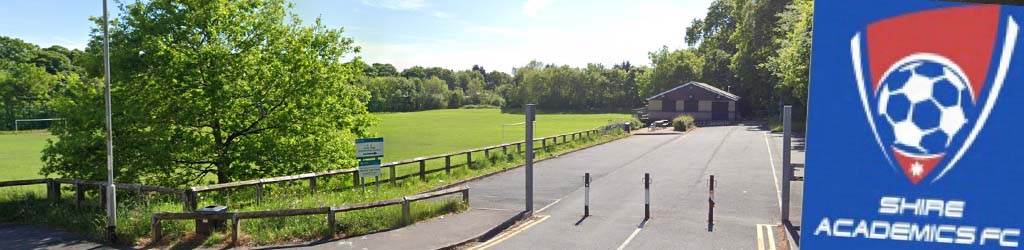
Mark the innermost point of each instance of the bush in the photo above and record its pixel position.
(634, 123)
(683, 123)
(478, 106)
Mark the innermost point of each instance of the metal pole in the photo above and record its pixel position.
(711, 203)
(376, 182)
(586, 197)
(530, 109)
(647, 196)
(111, 190)
(787, 167)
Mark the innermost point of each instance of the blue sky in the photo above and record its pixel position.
(456, 34)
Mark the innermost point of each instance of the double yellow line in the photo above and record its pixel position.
(765, 232)
(511, 232)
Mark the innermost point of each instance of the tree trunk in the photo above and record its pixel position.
(222, 175)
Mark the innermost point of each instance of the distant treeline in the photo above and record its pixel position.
(553, 87)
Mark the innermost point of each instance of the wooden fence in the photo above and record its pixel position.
(420, 161)
(53, 189)
(234, 217)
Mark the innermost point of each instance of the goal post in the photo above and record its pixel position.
(17, 121)
(503, 126)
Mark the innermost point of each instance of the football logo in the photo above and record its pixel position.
(926, 86)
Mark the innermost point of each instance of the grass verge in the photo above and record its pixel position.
(24, 205)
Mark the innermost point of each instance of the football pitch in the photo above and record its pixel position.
(406, 135)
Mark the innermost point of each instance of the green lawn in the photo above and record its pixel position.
(425, 133)
(406, 135)
(19, 154)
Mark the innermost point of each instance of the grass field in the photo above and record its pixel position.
(407, 135)
(20, 152)
(425, 133)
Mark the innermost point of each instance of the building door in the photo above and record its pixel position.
(720, 111)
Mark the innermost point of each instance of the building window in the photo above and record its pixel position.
(654, 105)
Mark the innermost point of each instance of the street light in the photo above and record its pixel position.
(111, 190)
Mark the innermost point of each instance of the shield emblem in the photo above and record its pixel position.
(929, 83)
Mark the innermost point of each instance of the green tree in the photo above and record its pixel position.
(671, 69)
(24, 90)
(382, 69)
(235, 89)
(791, 64)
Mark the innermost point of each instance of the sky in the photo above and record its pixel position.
(454, 34)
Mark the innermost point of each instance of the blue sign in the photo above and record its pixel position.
(915, 112)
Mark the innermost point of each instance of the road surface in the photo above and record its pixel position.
(746, 194)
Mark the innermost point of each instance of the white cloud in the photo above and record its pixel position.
(533, 7)
(396, 4)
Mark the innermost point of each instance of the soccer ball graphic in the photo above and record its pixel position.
(924, 100)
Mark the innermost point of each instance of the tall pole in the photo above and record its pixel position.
(787, 167)
(530, 109)
(111, 190)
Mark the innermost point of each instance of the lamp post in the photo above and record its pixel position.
(111, 190)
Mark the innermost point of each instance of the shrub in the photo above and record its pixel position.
(634, 123)
(478, 106)
(683, 123)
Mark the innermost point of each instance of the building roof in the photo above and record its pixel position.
(706, 86)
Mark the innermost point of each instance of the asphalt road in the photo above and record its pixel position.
(738, 156)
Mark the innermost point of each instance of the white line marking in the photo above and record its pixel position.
(549, 205)
(631, 236)
(760, 238)
(771, 159)
(771, 237)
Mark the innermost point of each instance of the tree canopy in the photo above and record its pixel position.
(232, 89)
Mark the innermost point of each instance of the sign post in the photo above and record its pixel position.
(369, 151)
(914, 126)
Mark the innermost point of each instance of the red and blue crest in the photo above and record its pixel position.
(928, 81)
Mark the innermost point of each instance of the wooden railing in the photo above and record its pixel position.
(189, 197)
(420, 161)
(234, 217)
(53, 189)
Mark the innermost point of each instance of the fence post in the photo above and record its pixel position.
(312, 184)
(465, 195)
(259, 192)
(448, 164)
(469, 159)
(330, 222)
(423, 170)
(355, 179)
(234, 229)
(504, 151)
(519, 147)
(563, 139)
(103, 194)
(79, 194)
(52, 190)
(156, 229)
(190, 200)
(406, 214)
(544, 143)
(394, 180)
(487, 153)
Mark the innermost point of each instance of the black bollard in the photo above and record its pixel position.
(647, 196)
(711, 204)
(586, 194)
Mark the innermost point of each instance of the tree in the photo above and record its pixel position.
(379, 69)
(791, 64)
(24, 89)
(236, 89)
(16, 50)
(671, 69)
